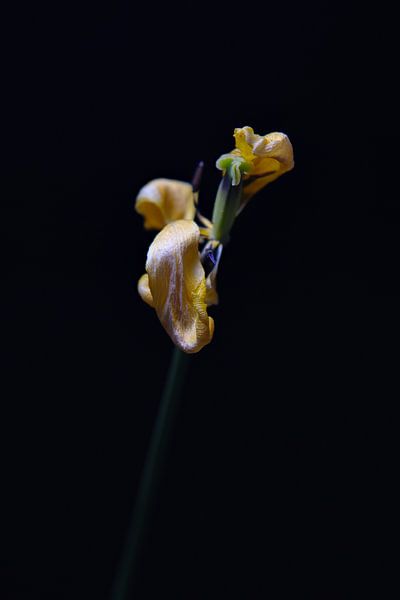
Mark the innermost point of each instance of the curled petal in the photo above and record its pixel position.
(177, 286)
(144, 290)
(162, 201)
(271, 155)
(255, 147)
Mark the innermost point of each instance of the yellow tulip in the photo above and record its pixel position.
(175, 285)
(163, 201)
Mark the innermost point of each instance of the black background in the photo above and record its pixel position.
(281, 476)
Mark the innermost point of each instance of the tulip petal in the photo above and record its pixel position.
(162, 201)
(177, 284)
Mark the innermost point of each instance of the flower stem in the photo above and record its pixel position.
(226, 206)
(128, 570)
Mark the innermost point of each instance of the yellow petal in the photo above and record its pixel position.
(162, 201)
(177, 284)
(276, 145)
(243, 137)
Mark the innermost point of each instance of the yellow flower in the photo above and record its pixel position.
(176, 286)
(163, 201)
(269, 156)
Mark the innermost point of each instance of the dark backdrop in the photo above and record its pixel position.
(280, 479)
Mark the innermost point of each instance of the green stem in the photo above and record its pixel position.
(151, 477)
(226, 206)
